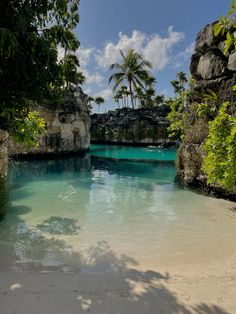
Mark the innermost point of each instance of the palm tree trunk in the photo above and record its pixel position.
(131, 94)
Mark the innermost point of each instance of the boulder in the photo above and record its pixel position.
(232, 62)
(206, 39)
(211, 66)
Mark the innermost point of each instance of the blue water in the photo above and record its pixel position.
(133, 153)
(60, 208)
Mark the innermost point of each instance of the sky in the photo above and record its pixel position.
(163, 31)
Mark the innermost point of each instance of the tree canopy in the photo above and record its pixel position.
(31, 32)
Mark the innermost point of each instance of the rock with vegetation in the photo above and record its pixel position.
(140, 126)
(32, 71)
(210, 117)
(67, 127)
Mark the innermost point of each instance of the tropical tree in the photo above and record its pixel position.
(150, 81)
(179, 84)
(30, 34)
(99, 100)
(117, 98)
(159, 99)
(125, 95)
(89, 100)
(133, 70)
(182, 78)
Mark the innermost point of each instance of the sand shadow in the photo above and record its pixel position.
(59, 225)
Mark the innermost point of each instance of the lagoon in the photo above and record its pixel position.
(59, 209)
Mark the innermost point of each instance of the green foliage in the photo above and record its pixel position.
(152, 133)
(220, 149)
(226, 27)
(129, 135)
(29, 129)
(177, 115)
(30, 34)
(109, 136)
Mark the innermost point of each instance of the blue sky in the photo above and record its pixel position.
(163, 31)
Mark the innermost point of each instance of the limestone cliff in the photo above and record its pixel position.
(213, 71)
(136, 126)
(67, 124)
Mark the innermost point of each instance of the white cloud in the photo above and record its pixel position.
(154, 48)
(84, 55)
(184, 56)
(105, 93)
(95, 78)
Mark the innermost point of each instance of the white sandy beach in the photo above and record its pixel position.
(107, 283)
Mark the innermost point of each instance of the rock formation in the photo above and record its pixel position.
(68, 127)
(3, 153)
(213, 71)
(136, 126)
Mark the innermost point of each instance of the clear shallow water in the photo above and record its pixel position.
(135, 153)
(61, 208)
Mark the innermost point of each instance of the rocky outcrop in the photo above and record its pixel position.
(3, 153)
(136, 126)
(3, 172)
(67, 124)
(212, 71)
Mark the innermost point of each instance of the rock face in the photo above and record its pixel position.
(68, 127)
(140, 126)
(213, 71)
(3, 153)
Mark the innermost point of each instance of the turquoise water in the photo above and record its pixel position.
(59, 209)
(134, 153)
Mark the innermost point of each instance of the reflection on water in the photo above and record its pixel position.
(60, 208)
(134, 153)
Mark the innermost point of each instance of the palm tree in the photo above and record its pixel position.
(150, 81)
(159, 99)
(99, 101)
(89, 100)
(139, 95)
(132, 70)
(150, 93)
(181, 76)
(176, 86)
(179, 83)
(117, 99)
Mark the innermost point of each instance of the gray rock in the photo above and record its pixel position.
(232, 62)
(194, 65)
(3, 153)
(205, 39)
(68, 127)
(212, 71)
(143, 125)
(211, 66)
